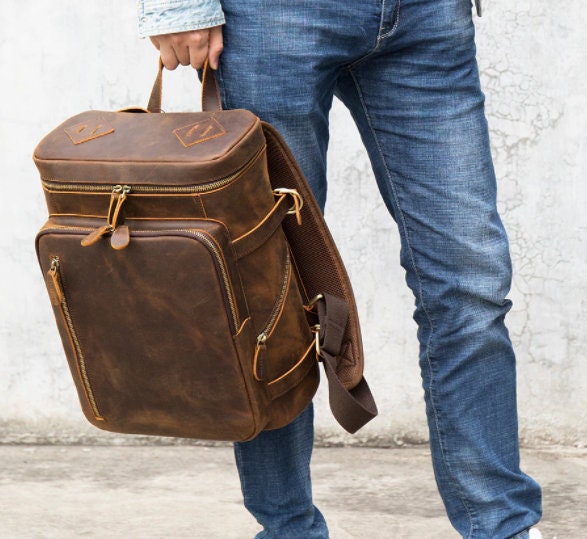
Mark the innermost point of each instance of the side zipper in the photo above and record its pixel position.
(258, 367)
(217, 254)
(58, 299)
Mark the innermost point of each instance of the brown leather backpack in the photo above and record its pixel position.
(193, 278)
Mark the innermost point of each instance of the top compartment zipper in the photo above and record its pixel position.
(53, 184)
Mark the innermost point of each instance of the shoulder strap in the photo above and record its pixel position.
(322, 274)
(354, 407)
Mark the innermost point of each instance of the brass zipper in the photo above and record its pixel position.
(118, 196)
(55, 275)
(277, 306)
(51, 184)
(259, 356)
(224, 272)
(212, 248)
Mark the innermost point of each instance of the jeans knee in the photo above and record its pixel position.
(467, 289)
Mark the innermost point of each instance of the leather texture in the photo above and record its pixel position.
(175, 288)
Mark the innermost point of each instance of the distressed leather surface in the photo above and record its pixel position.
(146, 148)
(160, 351)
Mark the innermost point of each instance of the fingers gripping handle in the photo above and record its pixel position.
(211, 100)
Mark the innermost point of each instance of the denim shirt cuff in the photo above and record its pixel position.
(171, 16)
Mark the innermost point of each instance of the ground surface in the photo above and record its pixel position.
(179, 492)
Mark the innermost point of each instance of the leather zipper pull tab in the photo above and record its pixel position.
(259, 358)
(120, 234)
(120, 238)
(95, 235)
(53, 283)
(121, 193)
(116, 190)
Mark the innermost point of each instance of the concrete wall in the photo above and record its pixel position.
(59, 58)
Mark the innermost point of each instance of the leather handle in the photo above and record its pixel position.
(211, 100)
(155, 98)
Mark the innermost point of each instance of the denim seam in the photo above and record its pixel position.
(395, 24)
(421, 297)
(378, 41)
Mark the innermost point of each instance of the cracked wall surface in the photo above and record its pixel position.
(531, 56)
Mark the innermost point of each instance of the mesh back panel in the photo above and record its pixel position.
(320, 267)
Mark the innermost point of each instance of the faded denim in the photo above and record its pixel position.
(408, 74)
(157, 17)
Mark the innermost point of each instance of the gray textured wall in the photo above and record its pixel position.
(59, 58)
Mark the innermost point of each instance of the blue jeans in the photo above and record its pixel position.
(407, 73)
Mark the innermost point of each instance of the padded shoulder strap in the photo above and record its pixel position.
(322, 272)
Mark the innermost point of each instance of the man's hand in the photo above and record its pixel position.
(190, 48)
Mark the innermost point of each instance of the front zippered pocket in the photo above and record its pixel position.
(202, 236)
(224, 273)
(278, 305)
(160, 334)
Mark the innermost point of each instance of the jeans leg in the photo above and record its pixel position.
(274, 470)
(419, 108)
(264, 68)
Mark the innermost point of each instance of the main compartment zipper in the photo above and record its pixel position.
(52, 184)
(119, 193)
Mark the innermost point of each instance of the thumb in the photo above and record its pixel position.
(215, 46)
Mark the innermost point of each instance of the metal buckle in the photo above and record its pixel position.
(316, 330)
(315, 300)
(298, 205)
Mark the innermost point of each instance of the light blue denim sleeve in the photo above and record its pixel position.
(169, 16)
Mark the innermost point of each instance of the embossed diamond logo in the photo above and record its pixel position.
(199, 132)
(88, 131)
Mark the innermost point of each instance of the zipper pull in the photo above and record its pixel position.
(120, 238)
(95, 235)
(120, 235)
(116, 190)
(117, 198)
(53, 283)
(120, 192)
(259, 358)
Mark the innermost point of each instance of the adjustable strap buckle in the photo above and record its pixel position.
(298, 201)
